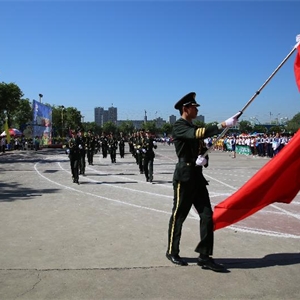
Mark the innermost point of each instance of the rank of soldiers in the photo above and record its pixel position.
(85, 145)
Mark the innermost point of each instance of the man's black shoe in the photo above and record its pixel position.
(209, 263)
(176, 259)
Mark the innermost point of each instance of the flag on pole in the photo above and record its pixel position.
(277, 181)
(7, 131)
(297, 68)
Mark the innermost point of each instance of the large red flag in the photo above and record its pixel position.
(297, 68)
(277, 181)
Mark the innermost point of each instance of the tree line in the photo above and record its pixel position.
(18, 111)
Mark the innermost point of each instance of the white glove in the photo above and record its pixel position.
(80, 146)
(232, 121)
(201, 161)
(144, 150)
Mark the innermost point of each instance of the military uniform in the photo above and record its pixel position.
(91, 143)
(130, 143)
(148, 145)
(113, 146)
(122, 145)
(74, 156)
(104, 145)
(139, 152)
(190, 186)
(134, 141)
(82, 147)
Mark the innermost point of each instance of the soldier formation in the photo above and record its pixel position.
(85, 145)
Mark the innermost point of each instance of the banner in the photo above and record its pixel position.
(42, 122)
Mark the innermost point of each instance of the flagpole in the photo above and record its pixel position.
(256, 94)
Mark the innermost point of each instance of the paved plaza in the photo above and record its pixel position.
(106, 238)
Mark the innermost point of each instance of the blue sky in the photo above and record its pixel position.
(145, 55)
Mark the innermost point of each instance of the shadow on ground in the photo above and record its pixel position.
(14, 191)
(271, 260)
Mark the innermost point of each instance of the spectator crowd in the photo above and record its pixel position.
(258, 144)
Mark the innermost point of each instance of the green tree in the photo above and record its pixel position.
(151, 126)
(92, 126)
(64, 119)
(245, 126)
(71, 118)
(109, 127)
(260, 128)
(294, 124)
(126, 127)
(10, 96)
(276, 128)
(22, 115)
(167, 129)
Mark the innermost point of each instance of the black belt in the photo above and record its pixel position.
(182, 159)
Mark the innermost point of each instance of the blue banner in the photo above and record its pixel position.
(42, 122)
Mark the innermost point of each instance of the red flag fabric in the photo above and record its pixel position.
(297, 68)
(277, 181)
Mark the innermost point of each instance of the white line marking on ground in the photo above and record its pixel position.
(193, 214)
(97, 196)
(118, 187)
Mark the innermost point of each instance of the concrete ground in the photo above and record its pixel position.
(107, 237)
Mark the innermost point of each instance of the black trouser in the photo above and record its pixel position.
(270, 150)
(90, 156)
(140, 160)
(82, 163)
(104, 151)
(113, 155)
(74, 162)
(187, 194)
(148, 167)
(122, 151)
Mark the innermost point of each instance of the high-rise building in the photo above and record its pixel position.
(200, 118)
(102, 116)
(99, 115)
(172, 119)
(113, 114)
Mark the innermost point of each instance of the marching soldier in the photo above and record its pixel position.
(122, 145)
(74, 156)
(148, 146)
(130, 144)
(113, 146)
(189, 184)
(91, 143)
(97, 144)
(82, 147)
(134, 141)
(104, 145)
(139, 152)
